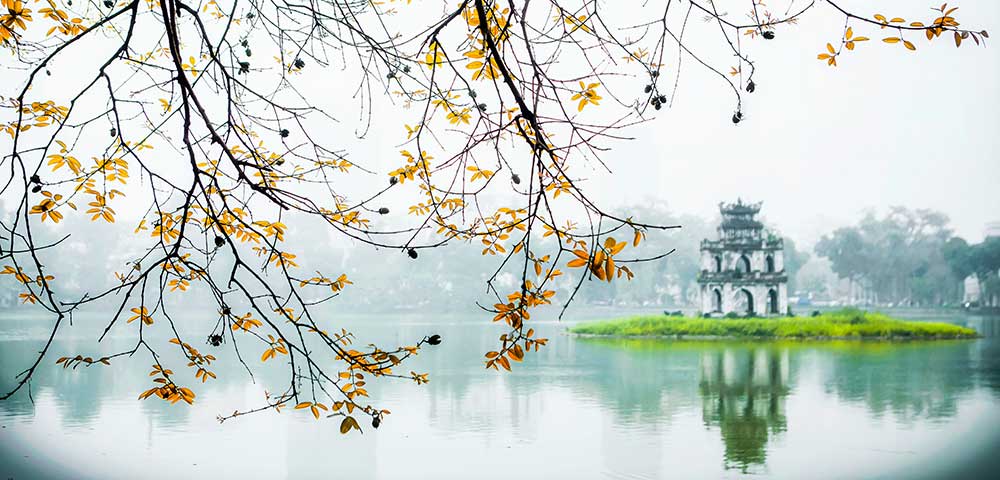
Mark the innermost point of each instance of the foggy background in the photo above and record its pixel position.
(820, 146)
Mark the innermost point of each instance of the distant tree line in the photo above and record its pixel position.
(909, 257)
(434, 284)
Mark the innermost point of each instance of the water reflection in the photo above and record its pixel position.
(740, 389)
(743, 394)
(596, 407)
(744, 389)
(912, 381)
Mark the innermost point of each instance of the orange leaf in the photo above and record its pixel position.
(576, 263)
(504, 363)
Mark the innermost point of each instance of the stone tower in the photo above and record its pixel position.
(744, 270)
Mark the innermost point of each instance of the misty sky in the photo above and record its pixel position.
(821, 144)
(818, 145)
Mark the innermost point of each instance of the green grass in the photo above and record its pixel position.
(848, 323)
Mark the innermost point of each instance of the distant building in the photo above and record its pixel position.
(744, 270)
(973, 292)
(992, 230)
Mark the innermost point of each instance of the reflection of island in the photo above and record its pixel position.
(913, 382)
(743, 393)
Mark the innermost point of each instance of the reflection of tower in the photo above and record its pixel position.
(743, 393)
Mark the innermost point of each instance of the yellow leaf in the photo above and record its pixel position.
(909, 45)
(345, 425)
(891, 40)
(598, 257)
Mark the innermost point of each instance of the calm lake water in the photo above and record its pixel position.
(580, 408)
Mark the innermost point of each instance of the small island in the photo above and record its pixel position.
(842, 324)
(743, 290)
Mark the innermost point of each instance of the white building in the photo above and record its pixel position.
(744, 270)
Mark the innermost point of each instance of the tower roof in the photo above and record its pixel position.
(739, 208)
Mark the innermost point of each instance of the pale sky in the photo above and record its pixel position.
(818, 145)
(821, 144)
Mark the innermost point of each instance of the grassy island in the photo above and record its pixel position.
(844, 324)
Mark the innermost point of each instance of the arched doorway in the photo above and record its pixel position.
(718, 263)
(770, 264)
(743, 266)
(716, 300)
(772, 302)
(744, 302)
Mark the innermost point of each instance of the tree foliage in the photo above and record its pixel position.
(898, 258)
(216, 123)
(981, 260)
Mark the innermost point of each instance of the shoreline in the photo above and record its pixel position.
(858, 338)
(848, 324)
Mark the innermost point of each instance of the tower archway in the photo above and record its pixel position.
(772, 302)
(770, 263)
(743, 265)
(744, 302)
(716, 300)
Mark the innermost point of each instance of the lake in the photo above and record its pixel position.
(580, 408)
